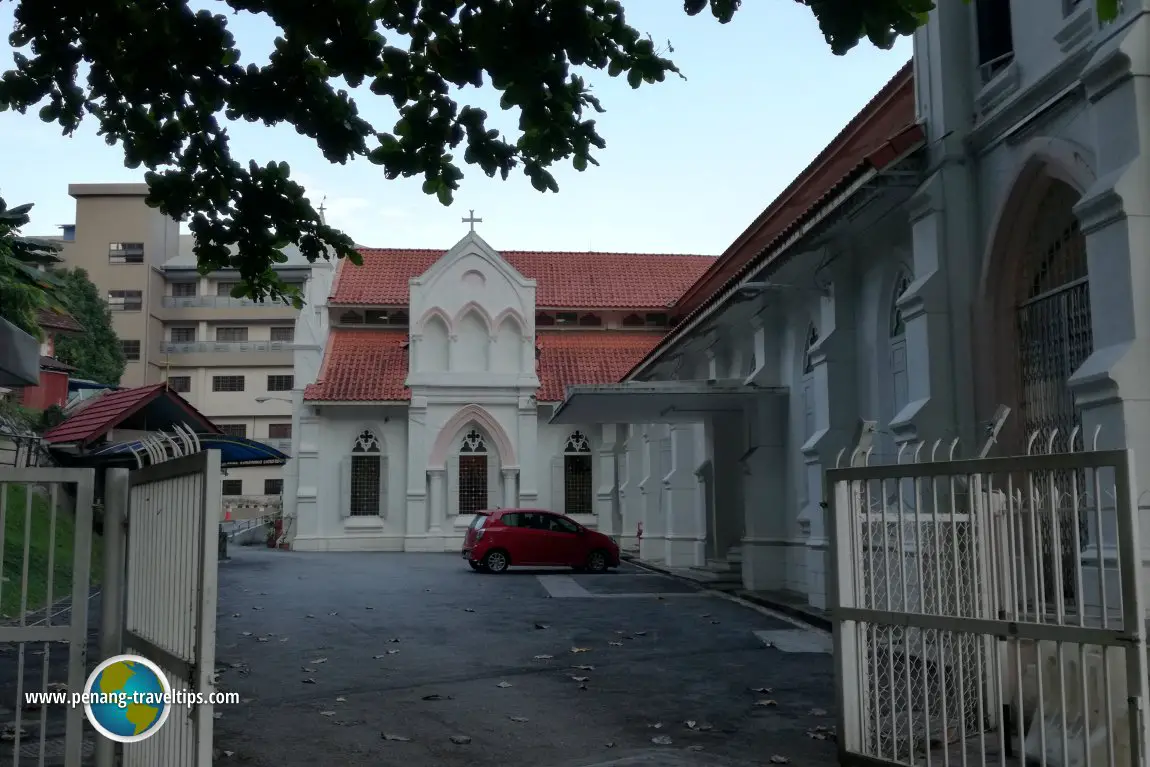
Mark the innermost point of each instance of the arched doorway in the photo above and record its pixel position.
(1052, 316)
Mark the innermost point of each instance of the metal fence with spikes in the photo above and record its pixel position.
(987, 609)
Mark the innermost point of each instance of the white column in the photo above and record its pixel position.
(437, 499)
(765, 539)
(606, 498)
(417, 510)
(684, 540)
(651, 489)
(510, 489)
(529, 464)
(631, 476)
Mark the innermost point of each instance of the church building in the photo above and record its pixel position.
(439, 372)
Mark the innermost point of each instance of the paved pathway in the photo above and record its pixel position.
(332, 652)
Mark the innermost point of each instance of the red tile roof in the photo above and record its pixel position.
(371, 365)
(565, 280)
(110, 410)
(567, 358)
(883, 132)
(58, 322)
(362, 366)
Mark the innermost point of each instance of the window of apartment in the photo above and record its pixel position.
(234, 429)
(125, 300)
(181, 384)
(232, 487)
(131, 350)
(995, 35)
(283, 334)
(227, 383)
(184, 289)
(279, 431)
(281, 383)
(183, 335)
(273, 487)
(225, 288)
(126, 253)
(231, 335)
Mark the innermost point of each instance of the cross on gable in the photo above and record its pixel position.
(471, 219)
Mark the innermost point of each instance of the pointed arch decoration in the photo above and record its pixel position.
(477, 308)
(505, 315)
(577, 444)
(435, 311)
(897, 325)
(812, 341)
(472, 416)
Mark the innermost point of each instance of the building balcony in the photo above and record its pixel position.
(229, 354)
(196, 308)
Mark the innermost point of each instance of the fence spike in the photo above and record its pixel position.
(183, 438)
(918, 450)
(867, 455)
(901, 449)
(1073, 438)
(136, 455)
(954, 446)
(1094, 442)
(839, 459)
(1030, 442)
(934, 449)
(177, 448)
(1050, 442)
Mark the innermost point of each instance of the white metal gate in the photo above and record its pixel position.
(170, 597)
(45, 553)
(949, 646)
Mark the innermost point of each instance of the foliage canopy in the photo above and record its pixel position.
(95, 353)
(416, 53)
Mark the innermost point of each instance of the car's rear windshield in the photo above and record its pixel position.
(479, 521)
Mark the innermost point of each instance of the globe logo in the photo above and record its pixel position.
(127, 698)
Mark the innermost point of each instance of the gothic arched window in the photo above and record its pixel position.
(366, 476)
(897, 323)
(900, 385)
(472, 473)
(812, 339)
(578, 491)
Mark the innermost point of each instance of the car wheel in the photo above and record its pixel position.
(496, 562)
(597, 561)
(475, 565)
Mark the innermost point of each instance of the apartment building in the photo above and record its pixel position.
(230, 357)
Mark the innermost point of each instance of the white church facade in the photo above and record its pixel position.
(439, 372)
(976, 236)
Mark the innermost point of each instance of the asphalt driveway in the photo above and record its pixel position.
(370, 659)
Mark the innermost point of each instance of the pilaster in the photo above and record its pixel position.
(437, 500)
(685, 538)
(651, 489)
(417, 450)
(528, 417)
(630, 496)
(766, 510)
(606, 496)
(510, 488)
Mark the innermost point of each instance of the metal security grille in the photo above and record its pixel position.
(365, 476)
(472, 473)
(364, 485)
(578, 493)
(1054, 338)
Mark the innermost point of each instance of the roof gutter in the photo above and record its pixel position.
(677, 335)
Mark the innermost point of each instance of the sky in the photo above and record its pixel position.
(688, 165)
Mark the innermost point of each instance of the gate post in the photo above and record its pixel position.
(112, 599)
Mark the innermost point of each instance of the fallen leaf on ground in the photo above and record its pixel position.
(395, 738)
(544, 657)
(468, 610)
(661, 740)
(247, 633)
(519, 719)
(309, 680)
(767, 702)
(583, 686)
(217, 714)
(235, 615)
(584, 668)
(436, 696)
(257, 609)
(695, 748)
(461, 740)
(580, 678)
(308, 670)
(818, 712)
(656, 726)
(319, 660)
(369, 608)
(615, 644)
(341, 699)
(327, 713)
(541, 626)
(690, 724)
(504, 684)
(283, 639)
(378, 657)
(333, 613)
(394, 640)
(776, 759)
(714, 623)
(392, 652)
(309, 616)
(609, 744)
(640, 634)
(762, 690)
(580, 649)
(261, 639)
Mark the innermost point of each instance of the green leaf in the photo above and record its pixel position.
(1108, 10)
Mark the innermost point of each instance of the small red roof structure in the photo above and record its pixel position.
(58, 322)
(565, 280)
(144, 408)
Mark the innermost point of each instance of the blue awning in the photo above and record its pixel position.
(234, 451)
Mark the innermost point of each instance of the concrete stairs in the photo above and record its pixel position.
(722, 574)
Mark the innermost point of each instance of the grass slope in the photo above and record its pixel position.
(40, 545)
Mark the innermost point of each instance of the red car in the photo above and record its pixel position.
(499, 539)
